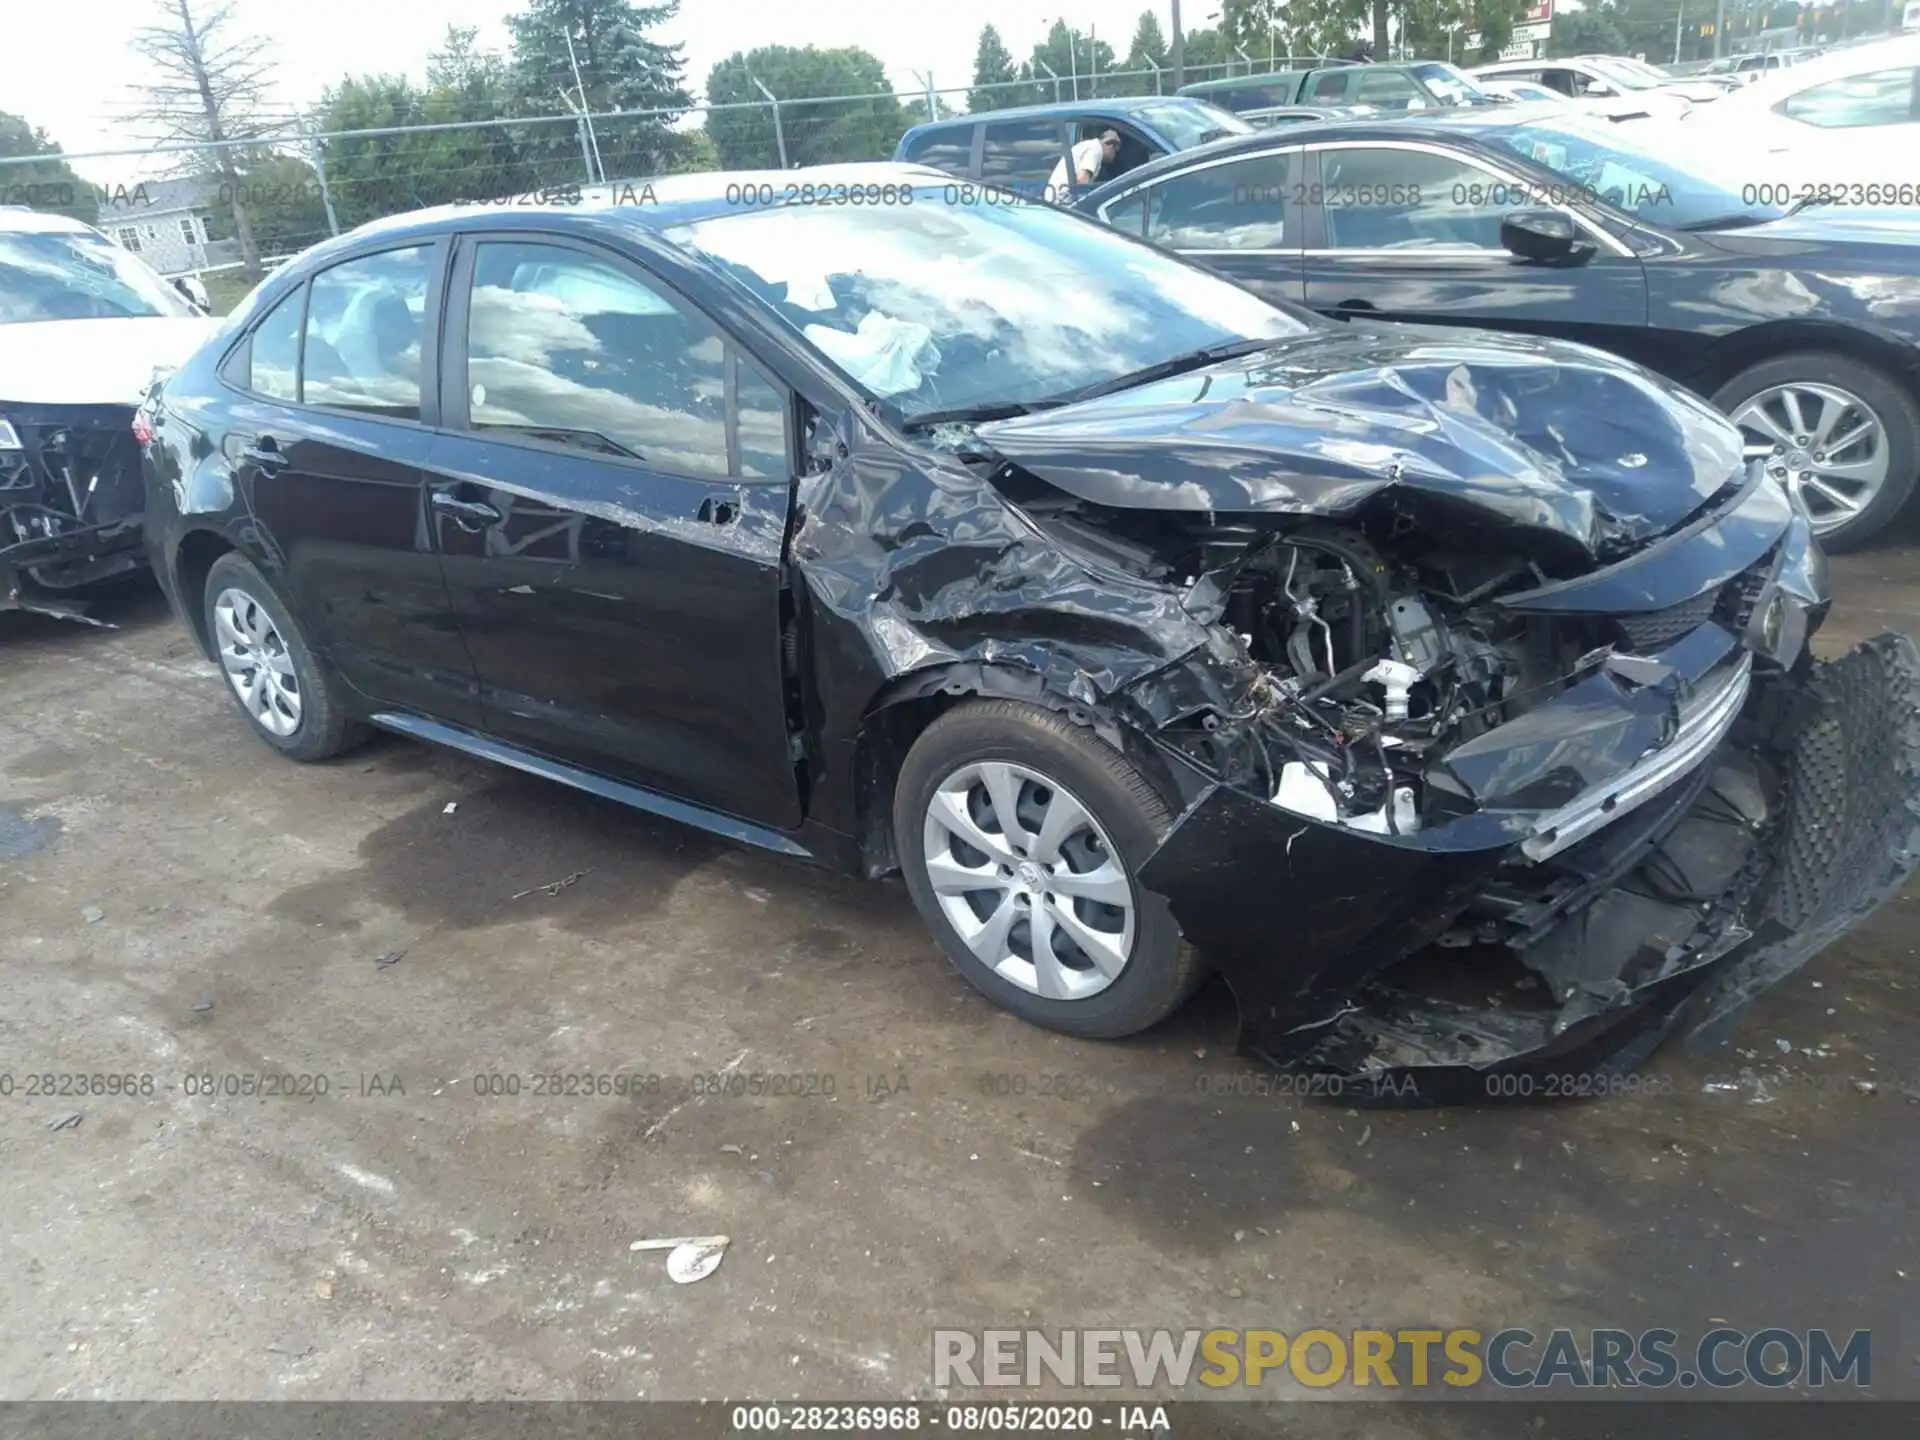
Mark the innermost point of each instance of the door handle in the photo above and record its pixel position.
(473, 516)
(265, 455)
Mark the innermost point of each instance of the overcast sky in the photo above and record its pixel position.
(71, 72)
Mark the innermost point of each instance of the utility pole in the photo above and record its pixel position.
(586, 112)
(1676, 30)
(779, 135)
(1179, 50)
(1073, 63)
(1719, 25)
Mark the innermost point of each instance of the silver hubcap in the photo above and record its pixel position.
(256, 661)
(1030, 880)
(1824, 443)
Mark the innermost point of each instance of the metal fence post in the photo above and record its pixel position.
(779, 135)
(318, 154)
(1156, 73)
(1051, 71)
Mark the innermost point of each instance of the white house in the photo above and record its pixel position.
(164, 222)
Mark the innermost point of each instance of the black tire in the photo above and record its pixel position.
(1162, 969)
(325, 728)
(1892, 404)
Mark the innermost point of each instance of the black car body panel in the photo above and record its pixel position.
(1689, 304)
(1614, 611)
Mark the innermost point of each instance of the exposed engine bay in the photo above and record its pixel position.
(1517, 826)
(70, 504)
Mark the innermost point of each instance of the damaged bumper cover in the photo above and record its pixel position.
(70, 503)
(1777, 810)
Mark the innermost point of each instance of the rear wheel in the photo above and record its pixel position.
(1843, 436)
(1020, 835)
(290, 699)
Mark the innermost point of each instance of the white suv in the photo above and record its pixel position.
(84, 325)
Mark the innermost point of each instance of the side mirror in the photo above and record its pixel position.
(196, 293)
(1540, 235)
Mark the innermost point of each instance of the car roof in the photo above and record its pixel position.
(18, 219)
(1201, 89)
(1119, 105)
(1889, 54)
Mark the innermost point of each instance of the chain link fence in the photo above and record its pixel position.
(235, 209)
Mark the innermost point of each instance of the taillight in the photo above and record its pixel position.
(142, 431)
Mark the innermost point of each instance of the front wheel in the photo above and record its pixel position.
(1842, 436)
(1020, 835)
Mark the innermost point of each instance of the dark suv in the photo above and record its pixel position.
(1142, 625)
(1018, 149)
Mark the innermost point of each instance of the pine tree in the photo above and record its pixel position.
(620, 69)
(992, 66)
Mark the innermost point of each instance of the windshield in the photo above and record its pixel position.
(942, 305)
(1675, 188)
(1190, 125)
(78, 275)
(1450, 86)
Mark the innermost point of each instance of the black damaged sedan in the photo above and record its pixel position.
(1449, 693)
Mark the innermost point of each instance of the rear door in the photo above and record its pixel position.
(328, 446)
(1237, 216)
(610, 496)
(1409, 231)
(1020, 154)
(946, 147)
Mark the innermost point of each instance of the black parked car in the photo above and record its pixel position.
(1141, 624)
(1800, 319)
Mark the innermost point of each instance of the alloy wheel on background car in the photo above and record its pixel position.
(1029, 880)
(1825, 443)
(255, 658)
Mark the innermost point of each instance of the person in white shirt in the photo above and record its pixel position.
(1090, 157)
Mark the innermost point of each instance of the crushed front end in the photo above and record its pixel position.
(70, 503)
(1474, 818)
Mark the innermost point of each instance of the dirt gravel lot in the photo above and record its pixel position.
(177, 902)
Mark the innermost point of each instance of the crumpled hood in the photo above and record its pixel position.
(92, 362)
(1539, 434)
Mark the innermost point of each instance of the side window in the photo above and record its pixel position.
(1021, 153)
(763, 426)
(577, 351)
(1409, 200)
(949, 149)
(1330, 86)
(1240, 206)
(366, 321)
(275, 350)
(1129, 214)
(1567, 82)
(1883, 98)
(1389, 90)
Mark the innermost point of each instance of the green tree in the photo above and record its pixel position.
(281, 194)
(1073, 53)
(867, 128)
(48, 184)
(620, 69)
(992, 67)
(1585, 32)
(1149, 48)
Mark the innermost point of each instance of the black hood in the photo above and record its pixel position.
(1539, 434)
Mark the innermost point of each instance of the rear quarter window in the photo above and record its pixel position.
(949, 148)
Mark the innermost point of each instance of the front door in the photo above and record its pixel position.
(610, 498)
(1408, 232)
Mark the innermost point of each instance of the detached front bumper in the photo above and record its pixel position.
(1783, 811)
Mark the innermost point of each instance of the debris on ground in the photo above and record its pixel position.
(68, 1121)
(690, 1257)
(1865, 1087)
(386, 960)
(732, 1150)
(553, 888)
(92, 914)
(452, 805)
(203, 1007)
